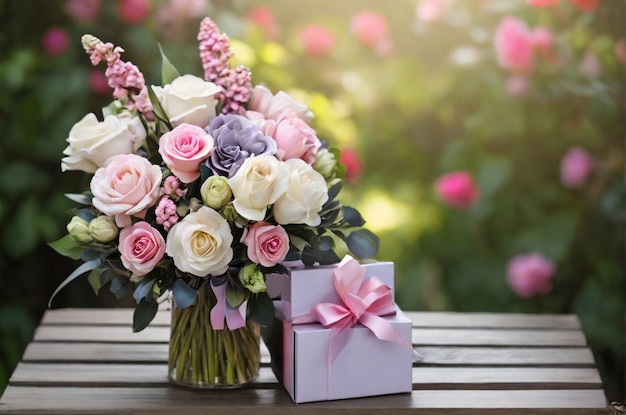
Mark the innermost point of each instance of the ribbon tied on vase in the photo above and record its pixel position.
(235, 317)
(363, 302)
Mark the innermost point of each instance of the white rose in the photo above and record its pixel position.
(91, 142)
(200, 244)
(305, 195)
(258, 183)
(272, 106)
(188, 99)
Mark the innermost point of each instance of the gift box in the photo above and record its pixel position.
(304, 287)
(365, 365)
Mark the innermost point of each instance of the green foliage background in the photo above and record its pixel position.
(411, 117)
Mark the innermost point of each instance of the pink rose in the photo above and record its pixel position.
(263, 18)
(370, 28)
(530, 274)
(133, 11)
(183, 150)
(294, 138)
(84, 11)
(267, 244)
(142, 247)
(576, 165)
(457, 189)
(55, 41)
(542, 3)
(514, 45)
(272, 106)
(354, 168)
(127, 185)
(585, 5)
(317, 41)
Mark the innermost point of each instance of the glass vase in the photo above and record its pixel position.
(203, 357)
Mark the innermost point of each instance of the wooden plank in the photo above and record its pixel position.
(165, 401)
(446, 356)
(124, 317)
(109, 375)
(421, 337)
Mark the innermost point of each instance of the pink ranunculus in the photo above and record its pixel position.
(542, 3)
(263, 18)
(133, 11)
(55, 41)
(370, 28)
(317, 41)
(142, 247)
(354, 168)
(517, 85)
(183, 150)
(543, 41)
(84, 11)
(295, 138)
(576, 166)
(127, 185)
(98, 83)
(457, 189)
(267, 244)
(430, 11)
(272, 106)
(530, 274)
(514, 45)
(586, 5)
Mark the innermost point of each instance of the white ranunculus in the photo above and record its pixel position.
(92, 142)
(258, 183)
(188, 99)
(200, 244)
(306, 194)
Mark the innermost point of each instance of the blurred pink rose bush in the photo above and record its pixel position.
(576, 166)
(457, 189)
(55, 41)
(514, 45)
(317, 41)
(530, 274)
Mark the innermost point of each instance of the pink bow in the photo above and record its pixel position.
(363, 302)
(235, 317)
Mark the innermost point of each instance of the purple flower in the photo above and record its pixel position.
(236, 139)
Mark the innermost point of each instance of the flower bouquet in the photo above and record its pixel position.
(199, 189)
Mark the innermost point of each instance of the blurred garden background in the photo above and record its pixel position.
(483, 139)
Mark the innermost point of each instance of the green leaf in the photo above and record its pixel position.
(352, 216)
(363, 243)
(261, 309)
(493, 174)
(144, 314)
(144, 288)
(183, 294)
(298, 242)
(235, 296)
(157, 108)
(85, 267)
(94, 279)
(168, 71)
(67, 246)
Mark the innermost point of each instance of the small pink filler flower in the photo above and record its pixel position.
(576, 165)
(457, 189)
(530, 274)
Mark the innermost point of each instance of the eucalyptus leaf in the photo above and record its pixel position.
(235, 296)
(118, 287)
(86, 214)
(352, 216)
(183, 294)
(67, 246)
(168, 71)
(94, 279)
(84, 268)
(82, 198)
(144, 288)
(363, 243)
(144, 314)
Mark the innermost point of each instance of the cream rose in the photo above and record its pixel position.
(92, 142)
(306, 194)
(127, 185)
(188, 99)
(258, 183)
(200, 244)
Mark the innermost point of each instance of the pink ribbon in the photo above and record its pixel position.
(235, 317)
(363, 302)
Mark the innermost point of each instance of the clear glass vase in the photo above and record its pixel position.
(203, 357)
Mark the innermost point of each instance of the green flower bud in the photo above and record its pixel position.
(325, 163)
(252, 278)
(216, 192)
(103, 229)
(78, 229)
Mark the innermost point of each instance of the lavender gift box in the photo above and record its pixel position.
(305, 287)
(366, 366)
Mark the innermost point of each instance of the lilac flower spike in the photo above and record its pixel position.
(215, 54)
(125, 78)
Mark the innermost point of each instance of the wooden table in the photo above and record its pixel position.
(88, 361)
